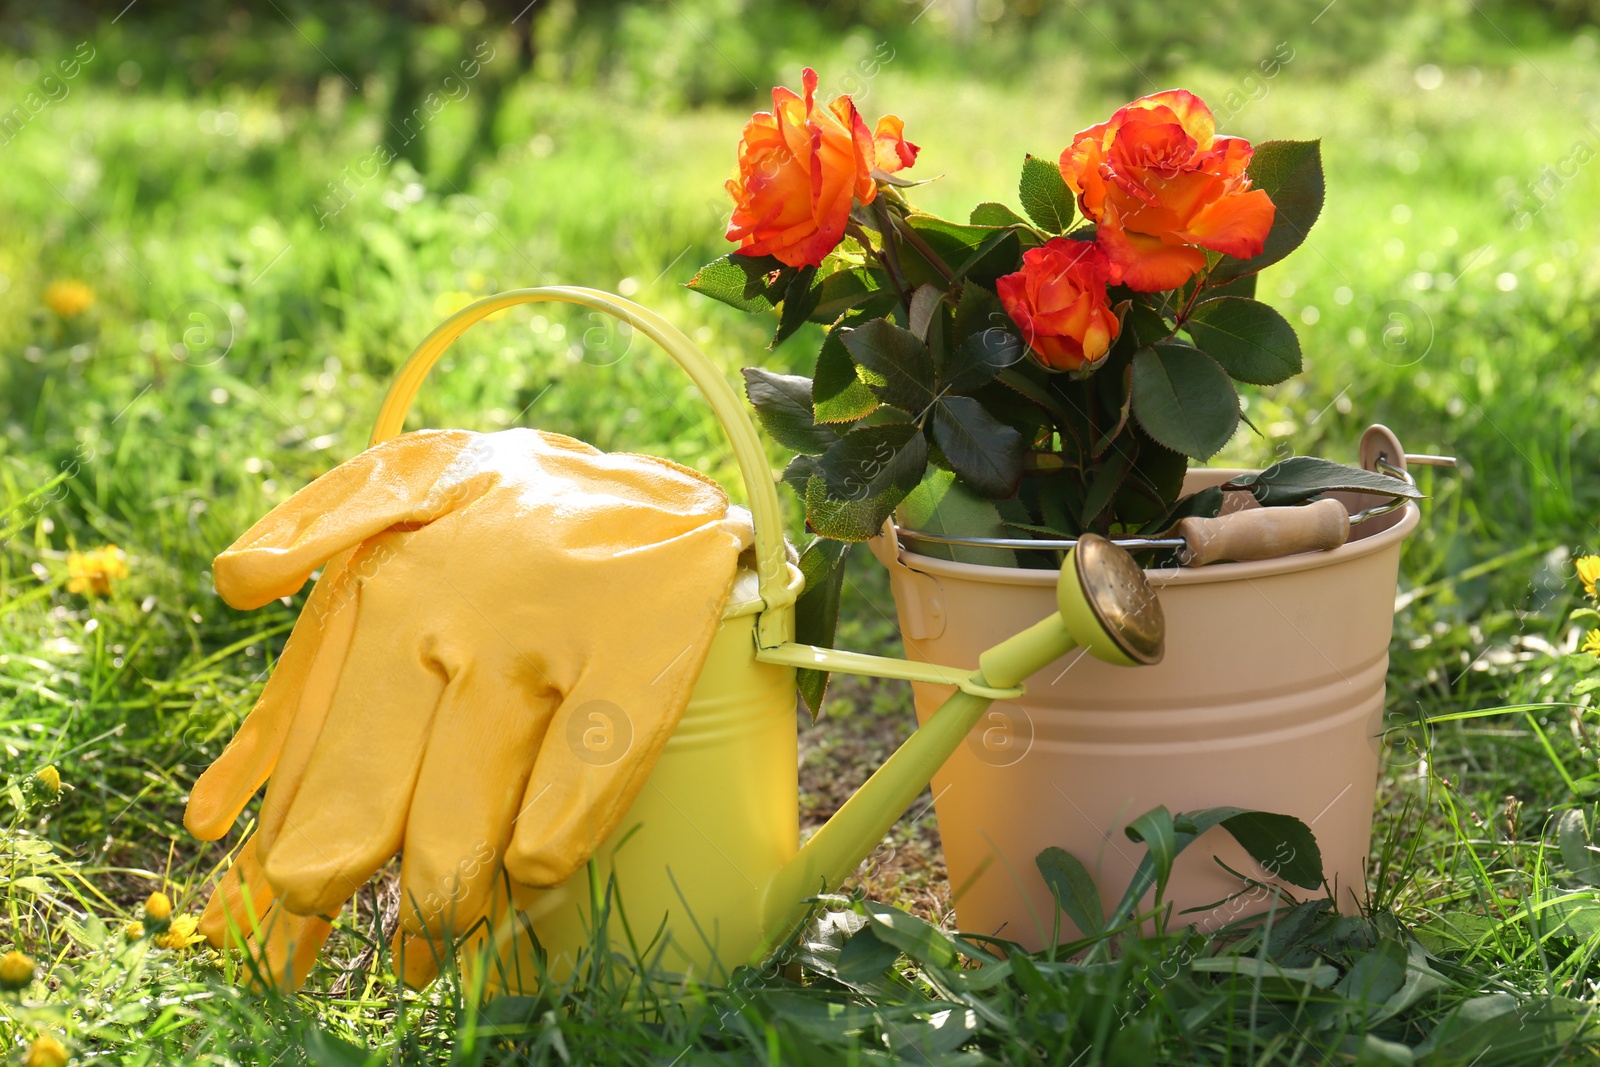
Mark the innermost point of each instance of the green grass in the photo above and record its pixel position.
(167, 208)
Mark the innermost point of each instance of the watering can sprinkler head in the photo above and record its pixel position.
(1108, 604)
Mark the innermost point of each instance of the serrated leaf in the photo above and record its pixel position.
(1144, 325)
(1044, 195)
(749, 283)
(1300, 478)
(985, 453)
(843, 290)
(1205, 504)
(1107, 480)
(977, 360)
(799, 301)
(799, 472)
(1282, 844)
(1000, 253)
(870, 460)
(981, 253)
(845, 520)
(1290, 172)
(837, 392)
(1245, 286)
(1250, 339)
(942, 505)
(900, 361)
(816, 612)
(783, 406)
(1183, 399)
(1073, 888)
(992, 214)
(986, 342)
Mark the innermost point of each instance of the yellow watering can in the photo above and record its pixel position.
(707, 865)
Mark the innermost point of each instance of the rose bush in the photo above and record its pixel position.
(1016, 374)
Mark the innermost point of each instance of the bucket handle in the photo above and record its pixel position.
(776, 623)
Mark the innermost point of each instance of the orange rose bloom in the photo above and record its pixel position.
(802, 168)
(1058, 300)
(1161, 187)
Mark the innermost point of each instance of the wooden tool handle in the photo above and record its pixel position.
(1264, 533)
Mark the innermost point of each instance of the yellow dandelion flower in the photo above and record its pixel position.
(68, 297)
(1588, 572)
(48, 780)
(16, 970)
(157, 906)
(46, 1051)
(93, 571)
(1591, 643)
(180, 933)
(133, 931)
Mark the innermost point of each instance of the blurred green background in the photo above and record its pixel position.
(268, 204)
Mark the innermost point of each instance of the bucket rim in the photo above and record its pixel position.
(1384, 540)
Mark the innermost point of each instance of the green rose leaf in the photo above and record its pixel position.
(992, 214)
(816, 613)
(799, 472)
(982, 253)
(942, 505)
(1045, 195)
(1300, 478)
(844, 290)
(749, 283)
(783, 405)
(861, 514)
(1183, 399)
(985, 453)
(900, 364)
(977, 360)
(986, 342)
(1251, 340)
(799, 301)
(1144, 325)
(837, 392)
(1282, 844)
(1291, 174)
(1109, 478)
(875, 463)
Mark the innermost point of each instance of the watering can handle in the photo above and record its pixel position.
(776, 623)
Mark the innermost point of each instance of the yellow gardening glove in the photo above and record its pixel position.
(487, 600)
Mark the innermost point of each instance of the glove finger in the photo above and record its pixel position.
(348, 815)
(405, 480)
(287, 947)
(601, 745)
(417, 959)
(480, 753)
(239, 903)
(227, 785)
(315, 696)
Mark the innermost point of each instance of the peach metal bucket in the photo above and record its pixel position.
(1270, 697)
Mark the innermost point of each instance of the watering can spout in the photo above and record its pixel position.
(1104, 605)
